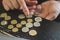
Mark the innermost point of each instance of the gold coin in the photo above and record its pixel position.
(29, 16)
(38, 19)
(29, 25)
(15, 30)
(33, 32)
(7, 17)
(23, 22)
(36, 24)
(3, 15)
(10, 26)
(18, 25)
(21, 16)
(30, 20)
(14, 22)
(4, 22)
(25, 29)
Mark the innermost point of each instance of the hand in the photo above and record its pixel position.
(50, 10)
(16, 4)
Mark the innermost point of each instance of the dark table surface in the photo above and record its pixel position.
(49, 30)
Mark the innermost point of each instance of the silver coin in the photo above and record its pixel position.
(37, 24)
(4, 22)
(38, 19)
(29, 25)
(25, 29)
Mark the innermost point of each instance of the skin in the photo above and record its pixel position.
(46, 7)
(50, 10)
(19, 4)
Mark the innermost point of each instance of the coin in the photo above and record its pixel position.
(3, 15)
(29, 16)
(10, 26)
(7, 17)
(36, 24)
(38, 19)
(25, 29)
(14, 22)
(33, 32)
(4, 22)
(29, 20)
(18, 25)
(29, 25)
(21, 16)
(15, 30)
(23, 22)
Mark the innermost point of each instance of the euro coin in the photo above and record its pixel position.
(33, 32)
(25, 29)
(4, 22)
(29, 16)
(38, 19)
(29, 25)
(10, 26)
(14, 22)
(21, 16)
(23, 22)
(7, 17)
(15, 30)
(18, 25)
(3, 15)
(29, 20)
(36, 24)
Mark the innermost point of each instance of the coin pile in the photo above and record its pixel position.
(5, 16)
(25, 23)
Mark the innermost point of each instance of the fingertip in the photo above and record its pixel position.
(39, 7)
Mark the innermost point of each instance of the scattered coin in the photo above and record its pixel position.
(14, 22)
(23, 22)
(15, 30)
(18, 25)
(21, 16)
(3, 15)
(29, 25)
(4, 22)
(37, 24)
(7, 17)
(10, 26)
(29, 20)
(33, 32)
(25, 29)
(38, 19)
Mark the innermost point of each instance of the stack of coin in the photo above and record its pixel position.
(10, 26)
(21, 16)
(23, 22)
(14, 22)
(7, 17)
(18, 25)
(15, 29)
(29, 25)
(3, 15)
(36, 24)
(25, 29)
(4, 22)
(38, 19)
(33, 32)
(29, 16)
(29, 20)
